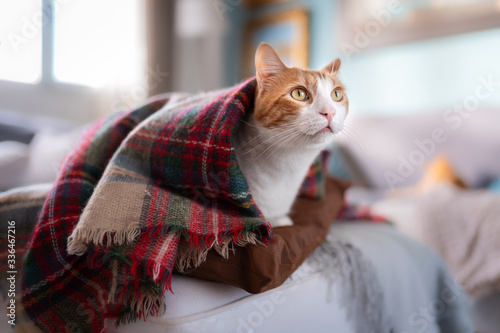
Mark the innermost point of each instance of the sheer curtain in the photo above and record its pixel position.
(118, 63)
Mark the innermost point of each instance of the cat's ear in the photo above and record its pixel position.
(267, 62)
(333, 67)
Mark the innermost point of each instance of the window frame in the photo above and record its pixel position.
(49, 97)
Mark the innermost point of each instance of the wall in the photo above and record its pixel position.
(423, 76)
(322, 43)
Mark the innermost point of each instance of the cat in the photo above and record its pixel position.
(297, 113)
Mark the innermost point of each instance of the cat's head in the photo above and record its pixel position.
(311, 105)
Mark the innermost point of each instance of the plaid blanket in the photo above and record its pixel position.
(144, 192)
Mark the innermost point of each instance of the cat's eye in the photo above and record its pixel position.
(299, 94)
(336, 95)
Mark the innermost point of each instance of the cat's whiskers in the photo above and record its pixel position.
(274, 127)
(352, 130)
(283, 141)
(273, 137)
(297, 137)
(282, 136)
(294, 138)
(276, 140)
(293, 123)
(250, 124)
(302, 139)
(352, 137)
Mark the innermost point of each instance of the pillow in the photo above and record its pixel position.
(401, 205)
(47, 150)
(13, 159)
(400, 145)
(438, 171)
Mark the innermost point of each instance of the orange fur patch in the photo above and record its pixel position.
(273, 104)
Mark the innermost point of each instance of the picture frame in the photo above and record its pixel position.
(286, 32)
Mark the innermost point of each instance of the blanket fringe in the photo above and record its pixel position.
(81, 237)
(139, 300)
(359, 291)
(189, 256)
(141, 308)
(192, 254)
(147, 298)
(150, 301)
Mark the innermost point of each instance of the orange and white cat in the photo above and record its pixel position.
(297, 113)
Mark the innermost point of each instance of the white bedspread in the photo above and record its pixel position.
(419, 295)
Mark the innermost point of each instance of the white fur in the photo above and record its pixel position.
(275, 161)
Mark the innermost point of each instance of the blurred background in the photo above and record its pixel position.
(422, 77)
(66, 63)
(78, 60)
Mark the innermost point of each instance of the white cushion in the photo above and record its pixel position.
(47, 150)
(13, 163)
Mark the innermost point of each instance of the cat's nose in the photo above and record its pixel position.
(328, 114)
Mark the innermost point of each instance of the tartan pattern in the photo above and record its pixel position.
(61, 292)
(350, 212)
(313, 185)
(19, 205)
(141, 190)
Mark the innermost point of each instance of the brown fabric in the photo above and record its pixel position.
(257, 268)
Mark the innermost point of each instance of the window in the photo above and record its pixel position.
(21, 40)
(85, 42)
(95, 42)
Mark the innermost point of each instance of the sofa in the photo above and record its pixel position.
(414, 289)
